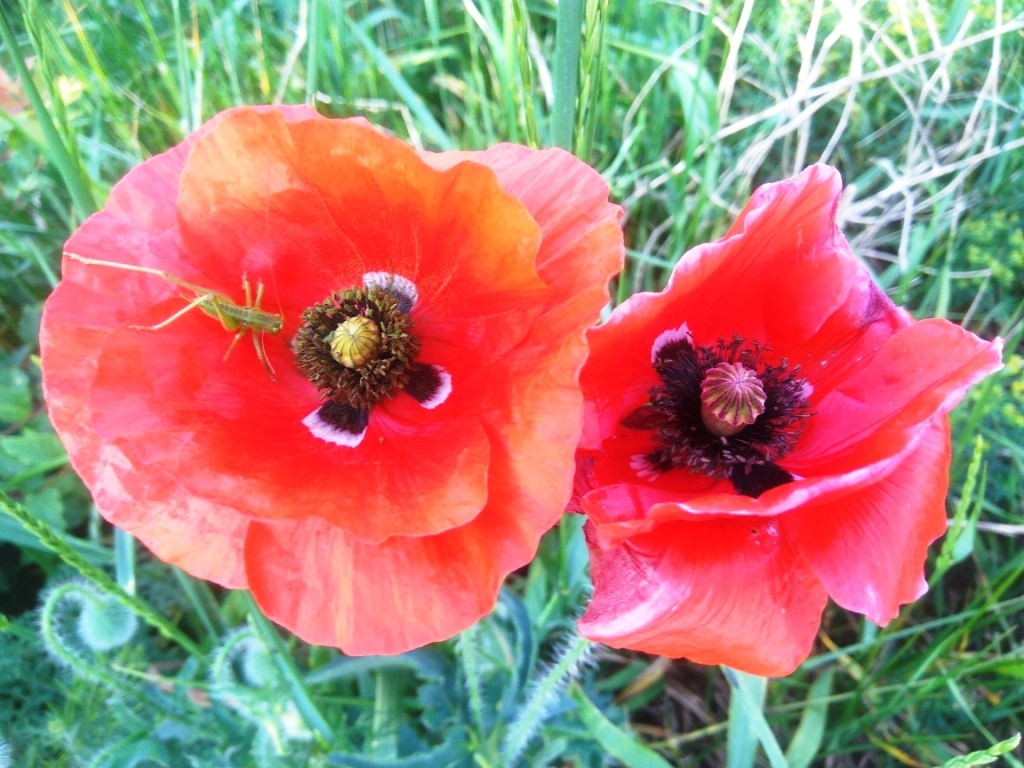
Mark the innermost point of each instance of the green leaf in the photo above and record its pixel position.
(985, 756)
(449, 753)
(742, 740)
(746, 720)
(15, 396)
(809, 734)
(698, 93)
(130, 754)
(617, 742)
(46, 505)
(29, 449)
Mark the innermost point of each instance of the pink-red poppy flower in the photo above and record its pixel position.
(402, 431)
(767, 431)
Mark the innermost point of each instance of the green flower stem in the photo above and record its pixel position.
(124, 560)
(286, 668)
(199, 597)
(467, 649)
(387, 713)
(49, 538)
(567, 70)
(531, 716)
(70, 171)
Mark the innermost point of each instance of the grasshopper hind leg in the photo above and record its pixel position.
(234, 341)
(261, 353)
(196, 302)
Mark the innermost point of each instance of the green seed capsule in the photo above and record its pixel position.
(355, 342)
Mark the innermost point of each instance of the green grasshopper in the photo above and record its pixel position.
(231, 315)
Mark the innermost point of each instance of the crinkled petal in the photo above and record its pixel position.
(783, 275)
(869, 548)
(879, 408)
(239, 199)
(731, 592)
(333, 589)
(354, 201)
(569, 200)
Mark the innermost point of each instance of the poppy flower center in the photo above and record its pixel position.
(721, 411)
(357, 347)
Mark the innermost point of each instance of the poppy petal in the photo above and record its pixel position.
(684, 564)
(715, 592)
(79, 316)
(229, 206)
(869, 549)
(920, 371)
(330, 588)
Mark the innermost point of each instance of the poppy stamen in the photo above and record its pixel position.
(722, 412)
(357, 346)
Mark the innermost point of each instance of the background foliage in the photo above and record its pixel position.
(684, 106)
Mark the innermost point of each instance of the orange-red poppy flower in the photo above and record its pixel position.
(767, 431)
(403, 429)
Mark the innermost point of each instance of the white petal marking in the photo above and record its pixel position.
(396, 285)
(443, 390)
(320, 428)
(667, 337)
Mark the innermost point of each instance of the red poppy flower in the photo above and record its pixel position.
(373, 470)
(767, 431)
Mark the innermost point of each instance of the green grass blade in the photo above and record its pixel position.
(405, 92)
(747, 725)
(809, 734)
(618, 743)
(71, 172)
(124, 560)
(567, 63)
(313, 51)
